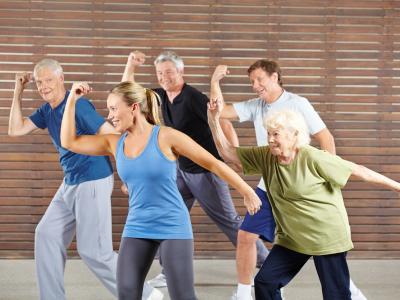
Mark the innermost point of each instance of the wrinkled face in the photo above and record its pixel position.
(50, 85)
(168, 76)
(263, 84)
(120, 114)
(281, 141)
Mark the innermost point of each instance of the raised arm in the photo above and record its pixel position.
(184, 145)
(135, 59)
(18, 124)
(83, 144)
(224, 147)
(228, 111)
(369, 175)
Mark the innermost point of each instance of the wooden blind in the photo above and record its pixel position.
(344, 56)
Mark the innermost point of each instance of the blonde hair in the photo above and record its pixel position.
(52, 64)
(291, 121)
(148, 100)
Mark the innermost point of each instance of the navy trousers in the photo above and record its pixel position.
(282, 265)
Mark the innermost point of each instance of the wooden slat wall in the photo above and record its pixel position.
(343, 55)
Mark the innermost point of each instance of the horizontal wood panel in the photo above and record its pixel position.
(344, 56)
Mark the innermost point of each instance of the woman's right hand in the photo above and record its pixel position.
(79, 89)
(252, 202)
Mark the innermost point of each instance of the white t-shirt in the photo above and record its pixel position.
(255, 110)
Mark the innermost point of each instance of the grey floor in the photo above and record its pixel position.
(215, 279)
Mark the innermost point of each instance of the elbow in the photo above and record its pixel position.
(13, 133)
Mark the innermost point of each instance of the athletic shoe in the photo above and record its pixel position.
(155, 295)
(235, 297)
(356, 293)
(159, 281)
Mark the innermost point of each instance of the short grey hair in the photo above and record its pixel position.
(172, 57)
(50, 63)
(291, 121)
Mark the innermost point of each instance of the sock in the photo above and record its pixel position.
(244, 291)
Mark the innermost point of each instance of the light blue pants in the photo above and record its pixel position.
(83, 210)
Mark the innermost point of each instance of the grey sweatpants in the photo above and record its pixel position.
(85, 210)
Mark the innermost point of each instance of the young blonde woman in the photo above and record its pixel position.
(146, 156)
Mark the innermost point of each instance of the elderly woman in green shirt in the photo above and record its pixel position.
(305, 194)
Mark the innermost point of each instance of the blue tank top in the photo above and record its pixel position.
(156, 208)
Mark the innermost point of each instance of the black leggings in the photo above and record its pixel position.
(135, 259)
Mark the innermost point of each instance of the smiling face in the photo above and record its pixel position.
(120, 113)
(50, 85)
(281, 142)
(168, 76)
(264, 84)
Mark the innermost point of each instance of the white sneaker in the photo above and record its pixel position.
(356, 293)
(235, 297)
(155, 295)
(159, 281)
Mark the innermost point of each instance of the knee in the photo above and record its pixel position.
(265, 281)
(128, 291)
(247, 238)
(43, 233)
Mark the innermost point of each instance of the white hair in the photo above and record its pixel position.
(49, 63)
(172, 57)
(291, 121)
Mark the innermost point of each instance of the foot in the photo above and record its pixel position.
(235, 297)
(155, 295)
(159, 281)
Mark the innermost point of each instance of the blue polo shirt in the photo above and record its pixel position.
(77, 168)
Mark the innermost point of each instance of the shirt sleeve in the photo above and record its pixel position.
(251, 159)
(245, 110)
(333, 168)
(38, 118)
(88, 119)
(312, 118)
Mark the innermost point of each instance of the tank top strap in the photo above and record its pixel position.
(154, 136)
(120, 144)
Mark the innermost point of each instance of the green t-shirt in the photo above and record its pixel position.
(306, 198)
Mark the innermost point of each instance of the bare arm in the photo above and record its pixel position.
(224, 147)
(325, 140)
(83, 144)
(184, 145)
(229, 132)
(369, 175)
(135, 59)
(227, 112)
(18, 124)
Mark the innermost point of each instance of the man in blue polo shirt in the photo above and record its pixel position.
(82, 204)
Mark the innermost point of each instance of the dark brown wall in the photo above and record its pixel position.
(344, 56)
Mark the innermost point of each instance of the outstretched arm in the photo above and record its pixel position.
(18, 124)
(83, 144)
(135, 59)
(184, 145)
(369, 175)
(228, 111)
